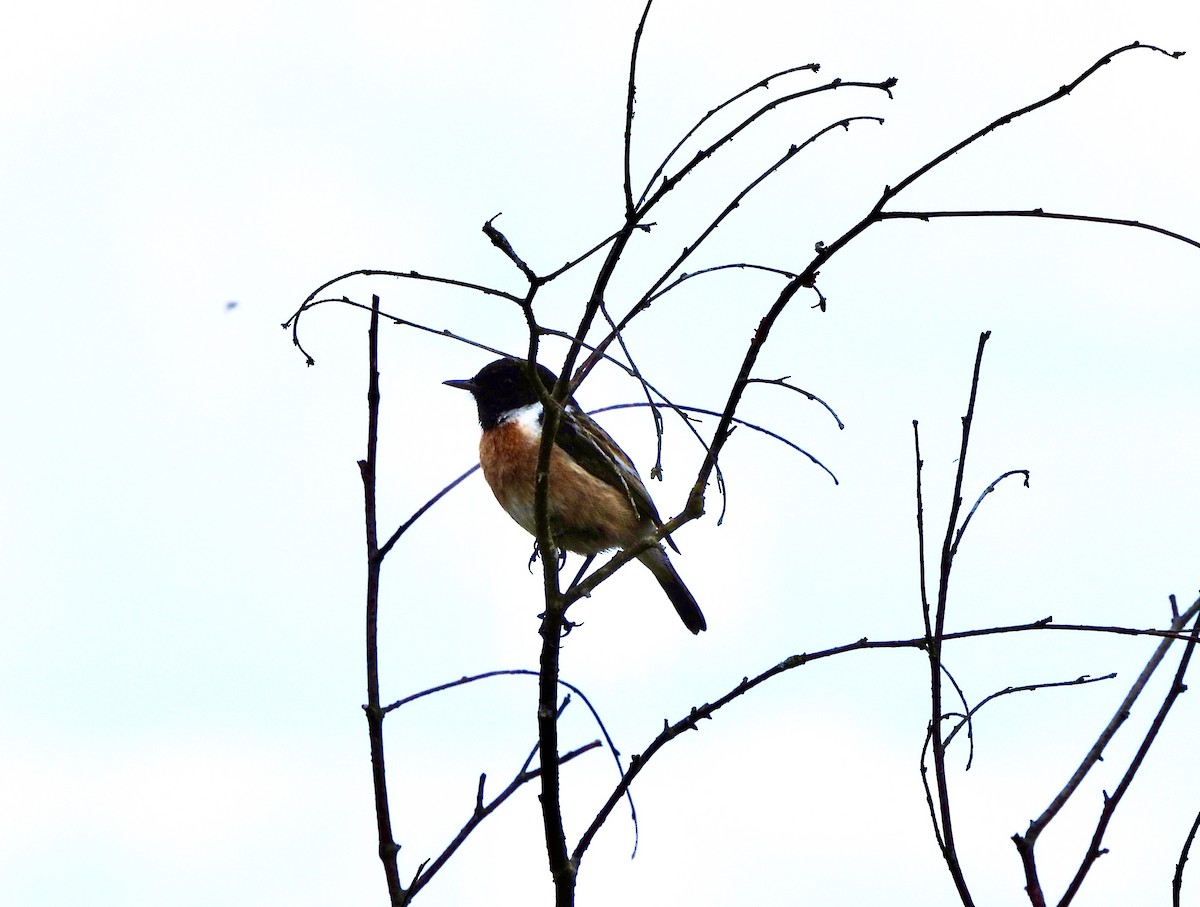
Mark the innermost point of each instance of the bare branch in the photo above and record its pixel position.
(1062, 92)
(670, 182)
(1094, 850)
(783, 382)
(963, 528)
(761, 83)
(500, 241)
(312, 301)
(709, 710)
(480, 813)
(388, 848)
(404, 527)
(1048, 215)
(631, 91)
(1025, 688)
(1177, 880)
(689, 275)
(1026, 843)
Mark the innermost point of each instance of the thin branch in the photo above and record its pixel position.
(581, 258)
(741, 265)
(1025, 688)
(562, 869)
(525, 672)
(708, 710)
(1177, 880)
(963, 528)
(1005, 120)
(1026, 843)
(407, 524)
(783, 382)
(312, 301)
(388, 848)
(670, 182)
(656, 471)
(926, 610)
(631, 91)
(965, 715)
(500, 241)
(482, 811)
(1047, 215)
(688, 250)
(395, 319)
(761, 83)
(936, 667)
(1094, 851)
(737, 421)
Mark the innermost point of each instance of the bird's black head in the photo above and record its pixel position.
(503, 386)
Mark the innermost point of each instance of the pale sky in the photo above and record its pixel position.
(181, 581)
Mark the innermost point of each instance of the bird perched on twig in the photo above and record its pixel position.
(596, 501)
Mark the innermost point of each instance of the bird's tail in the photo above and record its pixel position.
(689, 612)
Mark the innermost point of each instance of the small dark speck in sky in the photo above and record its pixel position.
(231, 305)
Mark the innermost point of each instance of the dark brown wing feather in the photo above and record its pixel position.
(590, 446)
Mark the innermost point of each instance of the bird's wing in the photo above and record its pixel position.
(591, 447)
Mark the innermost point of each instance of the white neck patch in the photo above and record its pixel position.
(528, 417)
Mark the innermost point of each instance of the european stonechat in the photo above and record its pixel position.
(597, 500)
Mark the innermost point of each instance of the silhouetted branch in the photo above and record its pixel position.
(963, 528)
(1024, 688)
(1177, 880)
(689, 275)
(670, 182)
(1026, 843)
(312, 301)
(1062, 92)
(709, 710)
(761, 83)
(1046, 215)
(404, 527)
(500, 241)
(482, 811)
(388, 848)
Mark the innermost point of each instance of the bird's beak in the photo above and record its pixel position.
(465, 384)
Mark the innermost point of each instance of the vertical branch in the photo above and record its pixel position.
(949, 852)
(562, 869)
(629, 98)
(921, 534)
(388, 848)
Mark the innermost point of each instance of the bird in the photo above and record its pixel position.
(596, 499)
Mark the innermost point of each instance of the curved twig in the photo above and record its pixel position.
(1024, 688)
(669, 182)
(311, 301)
(783, 382)
(963, 528)
(737, 421)
(761, 83)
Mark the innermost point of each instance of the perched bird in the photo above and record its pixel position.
(597, 500)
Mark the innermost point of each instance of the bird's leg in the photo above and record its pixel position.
(562, 557)
(587, 562)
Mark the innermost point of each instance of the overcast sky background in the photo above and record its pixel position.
(181, 573)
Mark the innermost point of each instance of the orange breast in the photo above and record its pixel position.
(586, 515)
